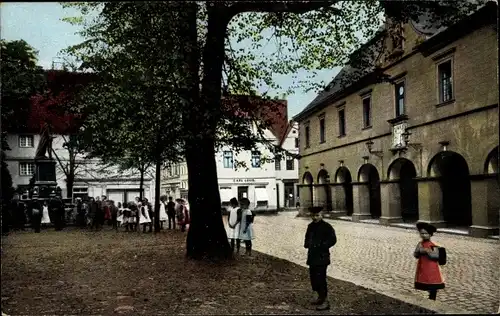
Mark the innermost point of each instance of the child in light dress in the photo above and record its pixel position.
(233, 223)
(246, 226)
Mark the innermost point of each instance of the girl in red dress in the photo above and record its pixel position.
(428, 276)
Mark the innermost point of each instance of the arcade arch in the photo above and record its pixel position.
(491, 163)
(343, 176)
(306, 190)
(453, 173)
(404, 171)
(368, 174)
(324, 193)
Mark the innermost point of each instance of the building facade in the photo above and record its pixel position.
(92, 179)
(269, 185)
(421, 146)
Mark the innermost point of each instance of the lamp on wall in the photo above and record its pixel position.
(369, 146)
(444, 144)
(341, 162)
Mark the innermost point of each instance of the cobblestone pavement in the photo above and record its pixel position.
(381, 258)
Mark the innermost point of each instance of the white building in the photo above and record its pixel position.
(267, 185)
(91, 178)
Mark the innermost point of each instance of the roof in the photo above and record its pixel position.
(362, 61)
(273, 113)
(50, 107)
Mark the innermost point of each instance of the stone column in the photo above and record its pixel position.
(338, 199)
(430, 202)
(305, 199)
(485, 195)
(320, 195)
(391, 202)
(361, 200)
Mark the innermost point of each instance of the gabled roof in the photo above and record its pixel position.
(362, 61)
(273, 113)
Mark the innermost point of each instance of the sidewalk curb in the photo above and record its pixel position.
(395, 226)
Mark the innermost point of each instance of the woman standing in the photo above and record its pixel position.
(119, 218)
(428, 276)
(183, 214)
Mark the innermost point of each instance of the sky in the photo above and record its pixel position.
(40, 25)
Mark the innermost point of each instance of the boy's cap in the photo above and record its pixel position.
(315, 209)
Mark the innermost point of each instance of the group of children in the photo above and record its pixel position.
(240, 225)
(133, 214)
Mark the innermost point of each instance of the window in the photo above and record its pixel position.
(400, 98)
(255, 159)
(322, 130)
(445, 82)
(228, 159)
(277, 162)
(26, 141)
(342, 122)
(80, 192)
(367, 112)
(307, 136)
(26, 169)
(290, 162)
(296, 142)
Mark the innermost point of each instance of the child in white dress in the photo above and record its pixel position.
(119, 219)
(233, 223)
(45, 214)
(163, 212)
(246, 227)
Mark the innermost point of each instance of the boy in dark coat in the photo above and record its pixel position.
(320, 237)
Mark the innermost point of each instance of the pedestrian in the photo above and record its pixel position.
(428, 276)
(97, 214)
(233, 223)
(320, 237)
(143, 216)
(246, 225)
(151, 214)
(171, 212)
(45, 214)
(132, 220)
(120, 216)
(183, 214)
(114, 214)
(35, 209)
(58, 210)
(163, 212)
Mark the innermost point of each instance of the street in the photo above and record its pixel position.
(381, 258)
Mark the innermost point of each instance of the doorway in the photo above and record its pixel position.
(369, 175)
(289, 196)
(242, 192)
(343, 176)
(453, 173)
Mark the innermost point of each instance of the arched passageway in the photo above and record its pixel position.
(306, 190)
(404, 170)
(453, 173)
(369, 174)
(343, 176)
(491, 164)
(326, 194)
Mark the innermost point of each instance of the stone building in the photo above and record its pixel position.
(420, 146)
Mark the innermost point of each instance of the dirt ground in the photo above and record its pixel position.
(83, 272)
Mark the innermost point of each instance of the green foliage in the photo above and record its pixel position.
(21, 79)
(133, 98)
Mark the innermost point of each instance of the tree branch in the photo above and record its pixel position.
(297, 7)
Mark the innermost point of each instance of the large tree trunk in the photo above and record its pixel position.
(157, 195)
(206, 237)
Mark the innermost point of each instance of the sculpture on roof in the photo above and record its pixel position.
(45, 144)
(397, 36)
